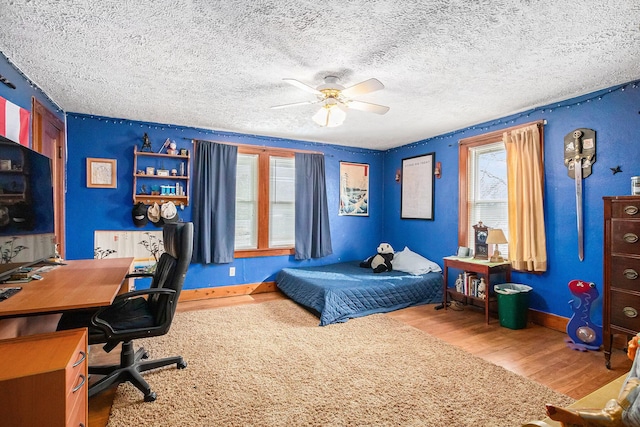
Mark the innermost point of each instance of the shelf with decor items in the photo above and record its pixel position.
(161, 177)
(473, 268)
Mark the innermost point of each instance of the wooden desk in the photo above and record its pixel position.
(483, 267)
(79, 284)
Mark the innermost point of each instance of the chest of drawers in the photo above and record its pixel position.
(43, 380)
(621, 300)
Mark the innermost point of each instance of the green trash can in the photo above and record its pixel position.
(513, 304)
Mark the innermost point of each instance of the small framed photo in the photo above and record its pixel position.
(101, 173)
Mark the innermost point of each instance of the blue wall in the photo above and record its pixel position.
(613, 114)
(90, 209)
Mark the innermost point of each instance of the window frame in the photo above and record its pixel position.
(263, 249)
(463, 170)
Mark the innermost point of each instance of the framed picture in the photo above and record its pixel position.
(354, 189)
(416, 199)
(101, 173)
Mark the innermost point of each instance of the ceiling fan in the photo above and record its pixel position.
(334, 99)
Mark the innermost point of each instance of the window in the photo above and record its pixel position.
(282, 194)
(487, 199)
(247, 202)
(265, 202)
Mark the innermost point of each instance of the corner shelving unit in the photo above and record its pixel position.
(144, 159)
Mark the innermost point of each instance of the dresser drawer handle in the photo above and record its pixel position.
(630, 237)
(83, 356)
(630, 312)
(631, 210)
(79, 386)
(630, 274)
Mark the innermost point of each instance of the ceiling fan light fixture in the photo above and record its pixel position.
(330, 115)
(335, 99)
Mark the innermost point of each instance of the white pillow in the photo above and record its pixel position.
(413, 263)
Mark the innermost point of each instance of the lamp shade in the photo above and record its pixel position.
(496, 236)
(330, 115)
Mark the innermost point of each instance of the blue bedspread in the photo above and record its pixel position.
(342, 291)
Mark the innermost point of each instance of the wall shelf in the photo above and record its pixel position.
(153, 188)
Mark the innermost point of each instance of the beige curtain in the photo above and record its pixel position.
(525, 179)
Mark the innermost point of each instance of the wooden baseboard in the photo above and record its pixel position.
(551, 321)
(227, 291)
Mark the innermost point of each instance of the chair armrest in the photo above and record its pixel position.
(130, 275)
(140, 292)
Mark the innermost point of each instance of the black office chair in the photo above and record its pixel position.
(140, 314)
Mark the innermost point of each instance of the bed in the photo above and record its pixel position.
(339, 292)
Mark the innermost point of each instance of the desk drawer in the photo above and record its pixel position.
(78, 414)
(77, 363)
(625, 310)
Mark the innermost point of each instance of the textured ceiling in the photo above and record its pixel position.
(219, 65)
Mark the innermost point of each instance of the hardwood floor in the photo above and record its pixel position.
(535, 352)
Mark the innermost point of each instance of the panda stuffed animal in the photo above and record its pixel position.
(381, 261)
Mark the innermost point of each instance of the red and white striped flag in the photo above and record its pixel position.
(14, 122)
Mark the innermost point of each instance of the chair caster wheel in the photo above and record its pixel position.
(151, 397)
(145, 355)
(182, 364)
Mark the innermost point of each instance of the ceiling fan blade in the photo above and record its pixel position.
(368, 107)
(295, 104)
(361, 88)
(303, 86)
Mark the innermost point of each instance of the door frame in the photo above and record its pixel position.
(42, 116)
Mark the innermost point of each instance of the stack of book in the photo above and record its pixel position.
(21, 276)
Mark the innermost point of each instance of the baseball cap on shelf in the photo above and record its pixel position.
(169, 212)
(154, 215)
(139, 215)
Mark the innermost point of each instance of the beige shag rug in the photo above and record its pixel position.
(270, 364)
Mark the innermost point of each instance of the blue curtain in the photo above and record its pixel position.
(214, 202)
(313, 237)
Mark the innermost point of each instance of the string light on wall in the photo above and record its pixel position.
(239, 138)
(457, 134)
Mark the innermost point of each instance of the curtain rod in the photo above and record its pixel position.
(254, 147)
(492, 134)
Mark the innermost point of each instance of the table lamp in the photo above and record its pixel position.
(496, 237)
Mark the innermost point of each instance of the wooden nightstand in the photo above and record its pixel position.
(483, 267)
